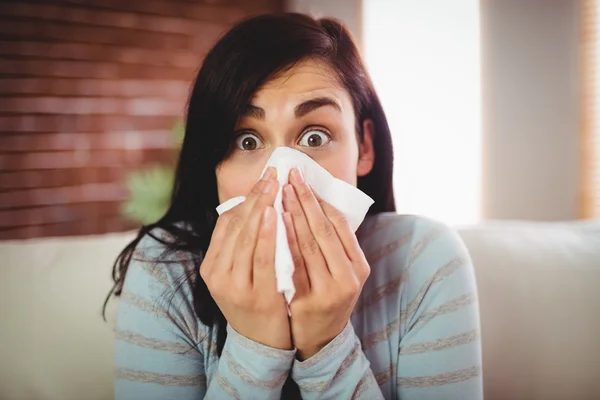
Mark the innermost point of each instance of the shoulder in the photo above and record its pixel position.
(154, 263)
(406, 237)
(410, 248)
(159, 284)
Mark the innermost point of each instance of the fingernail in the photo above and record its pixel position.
(297, 175)
(268, 174)
(268, 186)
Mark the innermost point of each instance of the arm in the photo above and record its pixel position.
(338, 371)
(164, 351)
(330, 270)
(440, 349)
(439, 354)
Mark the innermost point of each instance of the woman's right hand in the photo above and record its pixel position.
(239, 268)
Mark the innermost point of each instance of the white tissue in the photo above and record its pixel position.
(352, 202)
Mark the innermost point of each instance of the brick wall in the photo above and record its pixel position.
(89, 90)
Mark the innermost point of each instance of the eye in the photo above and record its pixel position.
(248, 142)
(314, 137)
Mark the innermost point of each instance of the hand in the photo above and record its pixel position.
(331, 269)
(239, 268)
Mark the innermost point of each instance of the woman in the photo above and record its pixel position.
(388, 313)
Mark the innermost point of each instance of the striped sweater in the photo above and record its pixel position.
(414, 333)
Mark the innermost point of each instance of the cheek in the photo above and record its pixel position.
(342, 164)
(235, 180)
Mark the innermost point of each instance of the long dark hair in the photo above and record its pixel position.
(244, 59)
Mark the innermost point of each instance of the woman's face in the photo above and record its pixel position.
(306, 109)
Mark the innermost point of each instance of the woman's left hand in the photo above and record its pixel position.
(330, 267)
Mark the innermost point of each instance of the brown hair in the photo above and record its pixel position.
(246, 57)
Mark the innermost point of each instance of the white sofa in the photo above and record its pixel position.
(539, 288)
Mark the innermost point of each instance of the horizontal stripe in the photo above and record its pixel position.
(440, 379)
(313, 387)
(446, 308)
(329, 349)
(155, 344)
(375, 256)
(346, 363)
(258, 348)
(420, 246)
(380, 293)
(143, 304)
(393, 286)
(381, 335)
(155, 270)
(440, 344)
(441, 274)
(244, 375)
(363, 385)
(189, 327)
(385, 375)
(384, 334)
(161, 379)
(227, 387)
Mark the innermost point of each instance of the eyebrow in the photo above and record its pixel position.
(301, 109)
(311, 105)
(254, 112)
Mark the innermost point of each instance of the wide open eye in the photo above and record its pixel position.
(248, 141)
(314, 137)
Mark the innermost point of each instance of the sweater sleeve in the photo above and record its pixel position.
(440, 349)
(340, 370)
(163, 351)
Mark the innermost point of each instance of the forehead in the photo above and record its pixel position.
(306, 79)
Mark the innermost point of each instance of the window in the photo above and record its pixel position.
(424, 59)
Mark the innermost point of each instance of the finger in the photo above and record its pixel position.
(342, 227)
(236, 217)
(300, 277)
(347, 237)
(323, 230)
(247, 238)
(263, 259)
(259, 188)
(316, 268)
(229, 225)
(214, 247)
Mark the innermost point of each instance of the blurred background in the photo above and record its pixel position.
(491, 103)
(493, 107)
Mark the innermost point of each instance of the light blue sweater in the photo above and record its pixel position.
(414, 333)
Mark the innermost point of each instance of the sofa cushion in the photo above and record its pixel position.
(53, 342)
(538, 285)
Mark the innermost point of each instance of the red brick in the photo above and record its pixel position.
(29, 29)
(128, 140)
(219, 10)
(90, 90)
(100, 53)
(91, 192)
(85, 123)
(66, 69)
(156, 106)
(23, 179)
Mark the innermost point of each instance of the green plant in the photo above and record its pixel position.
(150, 188)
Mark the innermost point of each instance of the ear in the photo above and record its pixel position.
(366, 151)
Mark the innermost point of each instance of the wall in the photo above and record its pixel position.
(348, 11)
(89, 90)
(530, 102)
